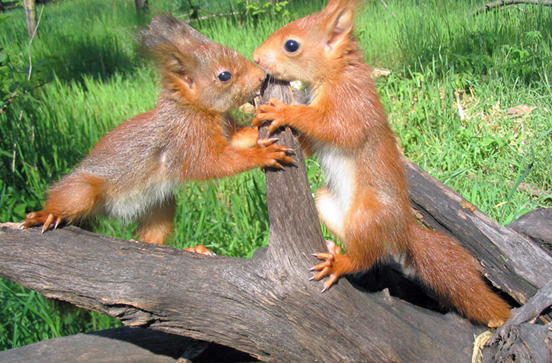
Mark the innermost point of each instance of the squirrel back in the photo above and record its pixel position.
(365, 201)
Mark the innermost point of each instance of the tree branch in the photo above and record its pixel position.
(508, 257)
(498, 3)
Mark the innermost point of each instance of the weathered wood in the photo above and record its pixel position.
(122, 345)
(292, 233)
(527, 343)
(536, 224)
(265, 306)
(520, 341)
(508, 258)
(535, 306)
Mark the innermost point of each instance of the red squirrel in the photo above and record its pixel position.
(365, 202)
(132, 173)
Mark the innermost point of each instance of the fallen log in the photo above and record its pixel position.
(123, 345)
(265, 306)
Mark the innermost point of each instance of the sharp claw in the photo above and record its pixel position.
(267, 142)
(21, 225)
(47, 223)
(331, 280)
(277, 165)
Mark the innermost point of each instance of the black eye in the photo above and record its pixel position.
(225, 76)
(292, 46)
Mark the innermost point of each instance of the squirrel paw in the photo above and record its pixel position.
(272, 111)
(335, 264)
(201, 249)
(43, 217)
(275, 153)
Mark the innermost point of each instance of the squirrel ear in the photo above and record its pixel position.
(175, 44)
(178, 69)
(340, 22)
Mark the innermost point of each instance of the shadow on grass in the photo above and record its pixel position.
(87, 58)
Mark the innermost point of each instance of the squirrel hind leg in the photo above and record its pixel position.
(71, 199)
(156, 225)
(201, 249)
(334, 266)
(43, 218)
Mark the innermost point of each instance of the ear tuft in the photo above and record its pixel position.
(340, 19)
(168, 30)
(175, 44)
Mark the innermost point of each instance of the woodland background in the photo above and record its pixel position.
(470, 96)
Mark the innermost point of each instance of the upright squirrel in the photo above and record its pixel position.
(365, 202)
(132, 173)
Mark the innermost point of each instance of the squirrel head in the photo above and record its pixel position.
(196, 70)
(312, 47)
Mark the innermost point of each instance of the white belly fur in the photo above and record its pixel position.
(135, 203)
(334, 201)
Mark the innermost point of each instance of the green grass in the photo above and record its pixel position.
(89, 75)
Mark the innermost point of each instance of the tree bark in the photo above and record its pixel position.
(265, 306)
(142, 6)
(123, 345)
(30, 15)
(509, 258)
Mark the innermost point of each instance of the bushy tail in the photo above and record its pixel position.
(452, 273)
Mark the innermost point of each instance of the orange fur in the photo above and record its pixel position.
(365, 202)
(133, 171)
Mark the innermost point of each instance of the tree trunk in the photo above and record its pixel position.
(142, 6)
(30, 15)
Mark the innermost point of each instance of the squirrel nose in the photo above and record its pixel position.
(257, 56)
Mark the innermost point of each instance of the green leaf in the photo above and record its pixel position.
(20, 210)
